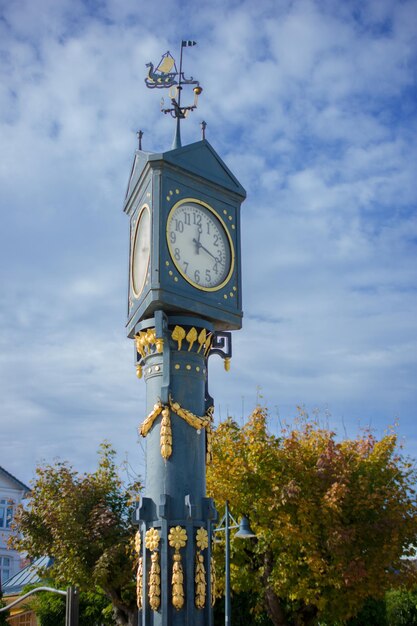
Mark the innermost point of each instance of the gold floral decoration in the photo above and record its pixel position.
(152, 539)
(202, 538)
(200, 570)
(177, 539)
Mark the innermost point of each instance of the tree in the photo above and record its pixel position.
(4, 614)
(332, 518)
(84, 523)
(50, 608)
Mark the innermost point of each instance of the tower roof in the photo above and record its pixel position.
(198, 158)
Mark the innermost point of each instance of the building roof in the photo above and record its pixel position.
(29, 575)
(17, 482)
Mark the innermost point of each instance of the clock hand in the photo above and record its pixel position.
(200, 245)
(198, 240)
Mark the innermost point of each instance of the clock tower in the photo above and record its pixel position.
(184, 298)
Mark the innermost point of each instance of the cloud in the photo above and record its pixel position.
(311, 105)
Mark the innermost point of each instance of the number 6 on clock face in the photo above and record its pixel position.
(200, 245)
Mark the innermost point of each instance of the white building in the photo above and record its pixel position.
(12, 492)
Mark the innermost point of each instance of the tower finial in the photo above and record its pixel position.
(139, 136)
(203, 129)
(165, 75)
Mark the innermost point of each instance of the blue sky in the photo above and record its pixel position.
(313, 106)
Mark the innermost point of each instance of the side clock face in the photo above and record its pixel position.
(200, 245)
(141, 251)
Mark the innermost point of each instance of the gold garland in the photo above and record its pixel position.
(200, 571)
(177, 539)
(199, 423)
(152, 543)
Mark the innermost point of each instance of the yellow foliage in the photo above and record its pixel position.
(332, 518)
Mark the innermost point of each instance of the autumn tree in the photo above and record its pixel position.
(333, 519)
(84, 522)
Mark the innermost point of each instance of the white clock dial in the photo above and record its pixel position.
(141, 251)
(200, 245)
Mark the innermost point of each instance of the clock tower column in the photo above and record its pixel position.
(184, 299)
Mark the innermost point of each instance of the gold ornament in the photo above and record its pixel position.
(138, 542)
(155, 582)
(139, 584)
(200, 581)
(149, 420)
(191, 337)
(202, 539)
(177, 539)
(200, 570)
(227, 364)
(166, 434)
(201, 339)
(147, 341)
(139, 371)
(199, 423)
(178, 335)
(152, 539)
(213, 581)
(208, 343)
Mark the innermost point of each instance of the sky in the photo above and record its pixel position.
(313, 106)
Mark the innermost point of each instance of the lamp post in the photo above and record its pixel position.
(244, 532)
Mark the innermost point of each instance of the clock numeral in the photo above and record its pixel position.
(197, 276)
(179, 226)
(216, 241)
(215, 268)
(197, 219)
(172, 236)
(177, 254)
(186, 264)
(208, 228)
(187, 219)
(208, 277)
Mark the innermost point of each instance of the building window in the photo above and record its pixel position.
(6, 513)
(5, 563)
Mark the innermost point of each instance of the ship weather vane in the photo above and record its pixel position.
(166, 76)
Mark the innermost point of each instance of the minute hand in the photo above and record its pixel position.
(200, 245)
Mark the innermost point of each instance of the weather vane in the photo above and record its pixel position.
(166, 76)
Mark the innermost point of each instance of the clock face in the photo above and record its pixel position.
(141, 251)
(200, 245)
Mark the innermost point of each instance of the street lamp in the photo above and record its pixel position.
(244, 532)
